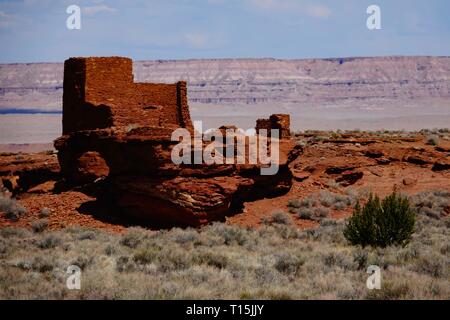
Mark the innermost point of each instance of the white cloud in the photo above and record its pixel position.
(97, 9)
(196, 40)
(313, 10)
(5, 19)
(319, 11)
(274, 4)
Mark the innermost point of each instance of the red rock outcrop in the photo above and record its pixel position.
(441, 164)
(21, 172)
(120, 132)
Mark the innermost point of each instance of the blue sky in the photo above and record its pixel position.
(35, 30)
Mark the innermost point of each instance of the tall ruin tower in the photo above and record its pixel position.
(100, 93)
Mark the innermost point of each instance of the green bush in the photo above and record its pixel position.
(381, 223)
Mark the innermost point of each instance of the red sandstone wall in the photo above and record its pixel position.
(107, 79)
(73, 96)
(281, 122)
(263, 124)
(183, 107)
(156, 103)
(100, 93)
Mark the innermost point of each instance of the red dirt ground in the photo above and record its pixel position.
(375, 162)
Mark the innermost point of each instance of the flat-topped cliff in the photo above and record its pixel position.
(253, 81)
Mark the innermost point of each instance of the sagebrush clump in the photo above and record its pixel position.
(12, 209)
(39, 225)
(432, 140)
(431, 203)
(381, 223)
(278, 217)
(317, 206)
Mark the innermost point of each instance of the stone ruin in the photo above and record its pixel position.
(117, 134)
(99, 93)
(282, 122)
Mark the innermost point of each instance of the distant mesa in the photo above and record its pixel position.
(255, 81)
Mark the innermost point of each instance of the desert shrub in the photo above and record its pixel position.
(11, 208)
(431, 203)
(339, 259)
(49, 241)
(305, 213)
(39, 225)
(125, 264)
(432, 140)
(37, 264)
(360, 257)
(3, 246)
(184, 236)
(278, 217)
(146, 255)
(323, 198)
(86, 235)
(83, 260)
(317, 213)
(326, 198)
(328, 222)
(229, 234)
(432, 264)
(381, 223)
(334, 200)
(212, 259)
(317, 206)
(389, 291)
(445, 249)
(174, 259)
(13, 232)
(267, 275)
(333, 184)
(44, 213)
(110, 250)
(319, 138)
(321, 212)
(133, 237)
(342, 201)
(335, 135)
(294, 203)
(340, 206)
(288, 264)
